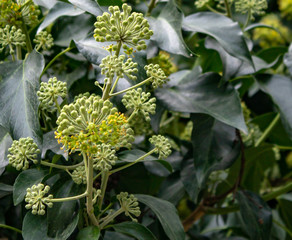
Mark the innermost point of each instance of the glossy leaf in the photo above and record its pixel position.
(167, 29)
(134, 229)
(280, 89)
(5, 190)
(89, 233)
(223, 29)
(109, 235)
(58, 10)
(256, 215)
(288, 59)
(51, 143)
(167, 215)
(203, 95)
(5, 143)
(18, 99)
(45, 3)
(25, 180)
(172, 190)
(90, 6)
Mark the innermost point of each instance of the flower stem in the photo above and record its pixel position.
(69, 198)
(18, 53)
(114, 86)
(132, 115)
(104, 179)
(63, 167)
(27, 38)
(57, 105)
(151, 6)
(247, 19)
(111, 217)
(228, 10)
(268, 130)
(11, 228)
(132, 163)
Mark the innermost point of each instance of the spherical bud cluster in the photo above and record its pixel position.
(105, 158)
(164, 60)
(129, 204)
(255, 7)
(123, 27)
(254, 133)
(156, 75)
(21, 151)
(201, 3)
(11, 36)
(130, 68)
(49, 93)
(162, 146)
(81, 95)
(140, 102)
(79, 175)
(269, 37)
(111, 66)
(285, 7)
(140, 126)
(16, 13)
(36, 200)
(91, 121)
(43, 40)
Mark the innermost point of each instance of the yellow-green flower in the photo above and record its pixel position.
(269, 37)
(285, 7)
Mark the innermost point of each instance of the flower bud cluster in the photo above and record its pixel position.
(43, 40)
(91, 121)
(123, 27)
(36, 200)
(129, 204)
(164, 60)
(162, 146)
(79, 175)
(255, 7)
(105, 158)
(156, 75)
(49, 93)
(254, 133)
(9, 37)
(140, 102)
(201, 3)
(21, 151)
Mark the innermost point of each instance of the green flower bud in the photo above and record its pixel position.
(255, 7)
(43, 40)
(21, 151)
(79, 175)
(123, 27)
(254, 133)
(165, 62)
(105, 158)
(129, 204)
(11, 36)
(49, 93)
(156, 75)
(162, 146)
(138, 100)
(36, 200)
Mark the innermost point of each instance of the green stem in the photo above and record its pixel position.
(214, 10)
(114, 86)
(278, 192)
(39, 47)
(268, 130)
(151, 6)
(111, 217)
(284, 147)
(132, 115)
(89, 189)
(133, 87)
(132, 163)
(11, 52)
(104, 179)
(27, 38)
(69, 198)
(63, 167)
(11, 228)
(58, 106)
(55, 58)
(107, 208)
(118, 48)
(247, 19)
(228, 10)
(18, 53)
(96, 176)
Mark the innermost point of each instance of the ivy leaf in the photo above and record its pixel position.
(51, 143)
(89, 233)
(18, 99)
(256, 215)
(167, 215)
(58, 10)
(288, 59)
(223, 29)
(109, 235)
(90, 6)
(280, 89)
(285, 204)
(167, 30)
(134, 229)
(5, 143)
(202, 95)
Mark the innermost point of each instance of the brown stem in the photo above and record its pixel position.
(194, 216)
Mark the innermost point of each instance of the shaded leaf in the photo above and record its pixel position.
(167, 30)
(18, 99)
(51, 143)
(45, 3)
(134, 229)
(89, 233)
(25, 180)
(202, 95)
(58, 10)
(109, 235)
(5, 143)
(172, 190)
(285, 204)
(5, 190)
(223, 29)
(167, 215)
(256, 215)
(288, 59)
(90, 6)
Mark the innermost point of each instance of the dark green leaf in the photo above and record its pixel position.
(114, 235)
(256, 215)
(90, 6)
(223, 29)
(59, 9)
(202, 95)
(19, 82)
(270, 54)
(25, 180)
(167, 215)
(280, 89)
(160, 167)
(5, 189)
(167, 30)
(134, 229)
(89, 233)
(5, 143)
(133, 155)
(285, 203)
(172, 190)
(51, 143)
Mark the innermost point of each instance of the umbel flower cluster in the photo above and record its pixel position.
(43, 40)
(11, 36)
(129, 204)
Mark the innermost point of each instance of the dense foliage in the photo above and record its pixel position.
(145, 119)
